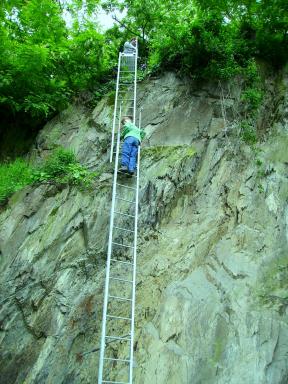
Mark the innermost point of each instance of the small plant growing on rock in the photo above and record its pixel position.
(13, 176)
(248, 132)
(251, 99)
(60, 167)
(63, 167)
(57, 163)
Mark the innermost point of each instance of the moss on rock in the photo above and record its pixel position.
(273, 289)
(175, 151)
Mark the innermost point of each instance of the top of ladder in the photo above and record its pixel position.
(133, 84)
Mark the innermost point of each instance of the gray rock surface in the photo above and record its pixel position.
(212, 287)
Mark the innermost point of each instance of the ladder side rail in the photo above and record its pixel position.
(109, 253)
(115, 108)
(134, 264)
(135, 83)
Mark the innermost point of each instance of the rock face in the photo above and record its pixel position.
(212, 287)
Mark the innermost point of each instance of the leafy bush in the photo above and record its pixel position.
(248, 132)
(57, 163)
(13, 176)
(45, 64)
(60, 167)
(252, 97)
(208, 38)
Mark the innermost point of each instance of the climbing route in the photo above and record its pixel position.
(116, 351)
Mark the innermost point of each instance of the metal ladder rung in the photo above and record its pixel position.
(122, 262)
(119, 298)
(128, 201)
(131, 113)
(122, 245)
(119, 279)
(119, 317)
(125, 173)
(128, 109)
(115, 382)
(122, 360)
(125, 186)
(132, 109)
(118, 338)
(124, 214)
(124, 229)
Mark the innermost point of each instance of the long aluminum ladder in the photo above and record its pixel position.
(116, 351)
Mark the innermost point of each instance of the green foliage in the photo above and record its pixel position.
(252, 97)
(57, 163)
(260, 188)
(60, 167)
(248, 132)
(172, 152)
(47, 62)
(273, 288)
(260, 168)
(253, 94)
(104, 89)
(44, 63)
(207, 38)
(13, 176)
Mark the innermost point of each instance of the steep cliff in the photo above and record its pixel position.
(212, 289)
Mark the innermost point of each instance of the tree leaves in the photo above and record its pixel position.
(43, 61)
(46, 60)
(208, 38)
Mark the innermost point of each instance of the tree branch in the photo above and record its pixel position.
(114, 17)
(59, 3)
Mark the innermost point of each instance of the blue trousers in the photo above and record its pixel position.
(129, 153)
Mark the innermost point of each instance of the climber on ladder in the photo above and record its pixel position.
(132, 136)
(129, 54)
(130, 47)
